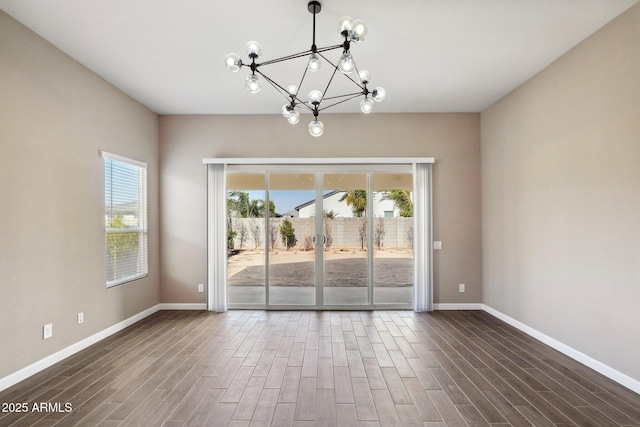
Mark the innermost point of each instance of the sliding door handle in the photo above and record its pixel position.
(315, 239)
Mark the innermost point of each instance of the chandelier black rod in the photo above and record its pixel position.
(346, 75)
(340, 102)
(297, 55)
(349, 95)
(286, 58)
(273, 82)
(301, 81)
(328, 48)
(335, 70)
(315, 12)
(282, 91)
(342, 96)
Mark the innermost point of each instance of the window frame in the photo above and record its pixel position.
(141, 229)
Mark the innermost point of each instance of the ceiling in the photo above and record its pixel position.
(429, 55)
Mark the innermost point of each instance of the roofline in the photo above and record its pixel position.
(310, 202)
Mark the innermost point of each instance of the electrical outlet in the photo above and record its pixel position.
(47, 331)
(461, 287)
(200, 287)
(80, 318)
(437, 244)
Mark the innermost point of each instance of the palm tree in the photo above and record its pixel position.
(240, 203)
(357, 199)
(329, 214)
(402, 201)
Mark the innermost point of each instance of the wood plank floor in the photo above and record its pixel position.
(306, 368)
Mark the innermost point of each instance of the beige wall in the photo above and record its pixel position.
(54, 117)
(453, 139)
(561, 198)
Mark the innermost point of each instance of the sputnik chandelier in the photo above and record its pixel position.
(353, 31)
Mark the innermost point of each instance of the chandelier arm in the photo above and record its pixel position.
(346, 75)
(352, 95)
(335, 70)
(282, 91)
(340, 102)
(300, 85)
(306, 105)
(298, 55)
(355, 65)
(286, 58)
(328, 48)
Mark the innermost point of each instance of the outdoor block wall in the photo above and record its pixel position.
(395, 233)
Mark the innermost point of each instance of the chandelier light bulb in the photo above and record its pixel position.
(315, 96)
(287, 109)
(316, 128)
(314, 62)
(294, 117)
(233, 62)
(378, 94)
(346, 63)
(345, 24)
(358, 31)
(253, 49)
(364, 76)
(366, 105)
(253, 84)
(292, 89)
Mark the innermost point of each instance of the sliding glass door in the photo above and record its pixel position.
(313, 238)
(393, 238)
(292, 258)
(246, 213)
(344, 227)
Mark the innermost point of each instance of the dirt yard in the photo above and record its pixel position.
(346, 268)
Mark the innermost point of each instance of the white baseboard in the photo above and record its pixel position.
(182, 306)
(469, 306)
(594, 364)
(56, 357)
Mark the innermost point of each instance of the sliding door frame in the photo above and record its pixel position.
(217, 212)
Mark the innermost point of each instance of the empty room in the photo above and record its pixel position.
(340, 213)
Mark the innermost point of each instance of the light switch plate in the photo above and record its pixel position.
(437, 244)
(47, 331)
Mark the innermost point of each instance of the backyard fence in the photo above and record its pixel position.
(342, 233)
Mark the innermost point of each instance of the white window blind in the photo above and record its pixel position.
(125, 216)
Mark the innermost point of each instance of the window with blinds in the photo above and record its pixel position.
(125, 217)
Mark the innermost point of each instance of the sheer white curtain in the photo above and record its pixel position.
(423, 237)
(217, 238)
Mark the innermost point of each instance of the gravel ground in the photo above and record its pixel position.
(390, 272)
